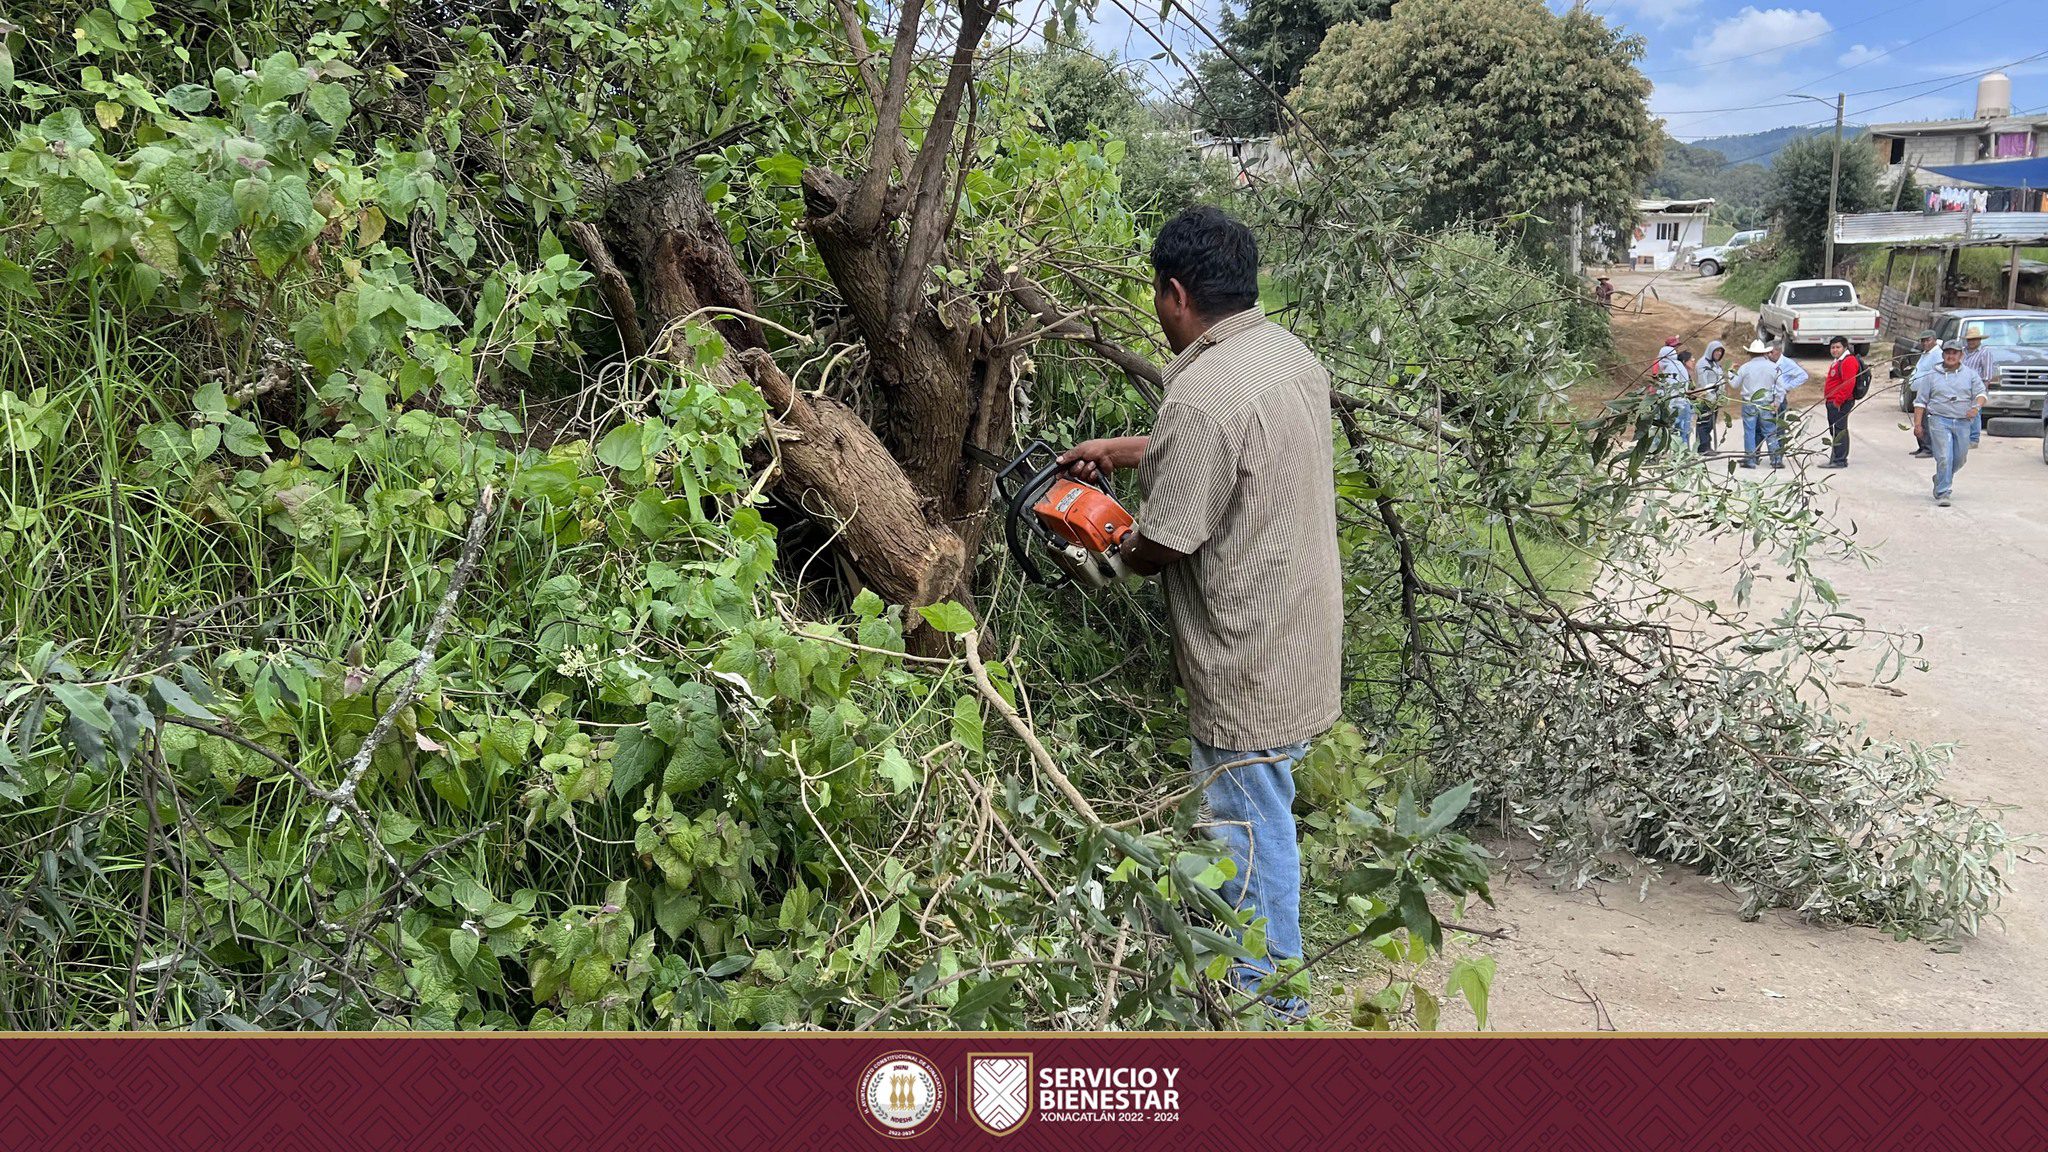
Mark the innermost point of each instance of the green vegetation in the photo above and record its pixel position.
(1799, 195)
(1751, 280)
(1690, 172)
(1763, 148)
(486, 542)
(1089, 100)
(1269, 43)
(1465, 102)
(402, 631)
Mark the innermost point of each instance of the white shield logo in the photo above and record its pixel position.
(1000, 1090)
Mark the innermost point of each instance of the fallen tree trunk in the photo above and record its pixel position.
(829, 464)
(833, 468)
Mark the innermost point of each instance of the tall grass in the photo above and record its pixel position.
(1750, 282)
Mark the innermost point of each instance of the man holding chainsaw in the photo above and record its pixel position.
(1238, 518)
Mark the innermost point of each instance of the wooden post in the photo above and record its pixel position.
(2012, 279)
(1911, 270)
(1578, 237)
(1885, 323)
(1834, 187)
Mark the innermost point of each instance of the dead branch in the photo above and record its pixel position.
(839, 472)
(465, 566)
(862, 211)
(870, 78)
(971, 642)
(1059, 324)
(928, 178)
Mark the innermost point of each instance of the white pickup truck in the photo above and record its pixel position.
(1815, 312)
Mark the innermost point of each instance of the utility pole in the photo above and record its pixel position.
(1834, 186)
(1578, 238)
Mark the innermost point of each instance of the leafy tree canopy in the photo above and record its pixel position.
(1274, 40)
(1492, 107)
(1086, 99)
(1798, 195)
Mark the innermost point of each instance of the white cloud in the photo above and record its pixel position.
(1762, 35)
(1858, 54)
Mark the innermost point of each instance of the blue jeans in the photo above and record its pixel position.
(1681, 421)
(1976, 431)
(1761, 424)
(1949, 436)
(1251, 811)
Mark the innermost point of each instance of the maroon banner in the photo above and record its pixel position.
(290, 1093)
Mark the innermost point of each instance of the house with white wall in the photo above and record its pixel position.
(1666, 231)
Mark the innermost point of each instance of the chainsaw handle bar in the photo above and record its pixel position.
(1006, 480)
(1021, 496)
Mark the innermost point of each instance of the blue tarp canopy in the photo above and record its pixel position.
(2000, 173)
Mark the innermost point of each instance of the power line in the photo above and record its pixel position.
(1868, 60)
(1881, 55)
(1804, 130)
(1778, 47)
(1956, 77)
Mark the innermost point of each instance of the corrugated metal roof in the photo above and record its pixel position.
(1960, 229)
(1706, 205)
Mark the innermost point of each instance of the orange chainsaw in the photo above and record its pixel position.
(1078, 526)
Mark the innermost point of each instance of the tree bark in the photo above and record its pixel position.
(835, 469)
(934, 377)
(830, 464)
(612, 285)
(663, 227)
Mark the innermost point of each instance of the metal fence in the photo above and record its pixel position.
(1944, 230)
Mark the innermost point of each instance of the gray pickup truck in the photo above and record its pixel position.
(2018, 343)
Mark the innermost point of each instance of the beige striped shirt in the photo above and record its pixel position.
(1239, 475)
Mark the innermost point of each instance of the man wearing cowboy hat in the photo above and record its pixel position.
(1930, 359)
(1977, 358)
(1763, 383)
(1948, 399)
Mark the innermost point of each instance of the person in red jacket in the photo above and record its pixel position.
(1840, 391)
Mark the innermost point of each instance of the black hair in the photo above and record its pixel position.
(1684, 354)
(1213, 256)
(1834, 340)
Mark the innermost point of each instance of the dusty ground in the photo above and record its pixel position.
(1968, 579)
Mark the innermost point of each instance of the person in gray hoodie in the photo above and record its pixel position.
(1708, 379)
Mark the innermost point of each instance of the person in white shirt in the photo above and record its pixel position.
(1674, 390)
(1763, 384)
(1709, 378)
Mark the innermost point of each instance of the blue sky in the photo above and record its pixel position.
(1724, 66)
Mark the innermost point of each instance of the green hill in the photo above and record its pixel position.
(1763, 147)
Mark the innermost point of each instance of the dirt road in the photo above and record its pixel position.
(1969, 579)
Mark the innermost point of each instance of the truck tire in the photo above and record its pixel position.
(1710, 268)
(1861, 350)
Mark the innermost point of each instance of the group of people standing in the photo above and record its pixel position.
(1693, 397)
(1949, 385)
